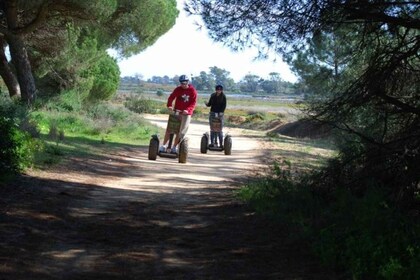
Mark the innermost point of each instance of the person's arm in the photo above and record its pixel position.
(171, 98)
(224, 103)
(193, 102)
(210, 102)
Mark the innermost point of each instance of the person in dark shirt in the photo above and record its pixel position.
(217, 104)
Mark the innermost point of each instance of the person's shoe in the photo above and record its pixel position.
(173, 150)
(162, 149)
(211, 145)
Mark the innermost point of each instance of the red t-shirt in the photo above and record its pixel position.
(185, 99)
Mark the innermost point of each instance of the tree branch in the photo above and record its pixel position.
(381, 17)
(39, 19)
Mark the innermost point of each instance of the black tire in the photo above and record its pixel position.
(204, 144)
(228, 145)
(183, 151)
(153, 148)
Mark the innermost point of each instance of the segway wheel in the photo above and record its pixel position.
(183, 151)
(153, 148)
(228, 145)
(204, 144)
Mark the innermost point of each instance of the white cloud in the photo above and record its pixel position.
(186, 50)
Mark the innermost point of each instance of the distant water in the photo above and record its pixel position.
(281, 98)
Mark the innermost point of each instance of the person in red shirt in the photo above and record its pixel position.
(185, 97)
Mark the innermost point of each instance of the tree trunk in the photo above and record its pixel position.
(23, 68)
(19, 54)
(7, 74)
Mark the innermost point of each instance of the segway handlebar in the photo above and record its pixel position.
(175, 112)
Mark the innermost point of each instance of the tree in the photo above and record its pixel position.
(6, 72)
(106, 79)
(322, 63)
(371, 93)
(203, 81)
(221, 76)
(128, 26)
(285, 25)
(250, 83)
(273, 85)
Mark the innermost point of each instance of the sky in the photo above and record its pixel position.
(186, 50)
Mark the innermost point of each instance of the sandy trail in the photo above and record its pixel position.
(122, 216)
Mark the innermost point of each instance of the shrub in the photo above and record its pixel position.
(368, 238)
(67, 101)
(255, 116)
(107, 111)
(16, 147)
(364, 237)
(142, 105)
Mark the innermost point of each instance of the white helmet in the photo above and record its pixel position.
(183, 78)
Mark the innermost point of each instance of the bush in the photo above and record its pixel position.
(364, 237)
(108, 111)
(368, 238)
(142, 105)
(67, 101)
(256, 116)
(16, 146)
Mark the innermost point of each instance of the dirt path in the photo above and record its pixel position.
(121, 216)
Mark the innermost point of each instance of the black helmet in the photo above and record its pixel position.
(219, 87)
(183, 78)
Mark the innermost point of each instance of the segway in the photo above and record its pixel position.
(216, 127)
(174, 125)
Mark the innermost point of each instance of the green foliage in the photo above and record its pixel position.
(264, 192)
(72, 68)
(106, 79)
(102, 122)
(108, 111)
(16, 148)
(69, 51)
(255, 116)
(373, 100)
(361, 70)
(365, 237)
(368, 237)
(68, 101)
(249, 83)
(16, 145)
(140, 25)
(141, 105)
(198, 111)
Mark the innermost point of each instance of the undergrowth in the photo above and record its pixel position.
(361, 237)
(65, 126)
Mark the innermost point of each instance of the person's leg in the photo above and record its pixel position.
(221, 131)
(185, 123)
(166, 138)
(165, 141)
(212, 135)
